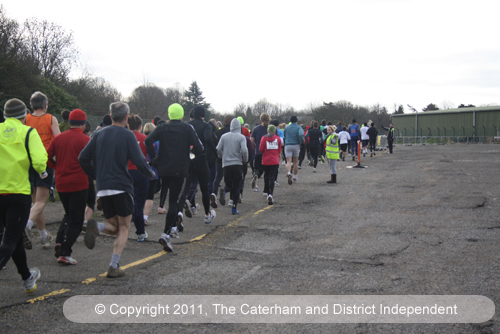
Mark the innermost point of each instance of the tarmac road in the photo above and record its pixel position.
(422, 221)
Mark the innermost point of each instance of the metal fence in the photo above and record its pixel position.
(442, 140)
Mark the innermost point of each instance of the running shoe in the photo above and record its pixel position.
(322, 159)
(254, 181)
(174, 233)
(66, 260)
(314, 170)
(180, 219)
(194, 209)
(294, 179)
(256, 189)
(30, 283)
(115, 272)
(146, 222)
(222, 196)
(52, 195)
(270, 200)
(265, 194)
(91, 234)
(57, 250)
(161, 211)
(211, 215)
(165, 242)
(46, 241)
(290, 181)
(142, 237)
(213, 201)
(276, 184)
(311, 163)
(187, 209)
(230, 203)
(239, 199)
(234, 211)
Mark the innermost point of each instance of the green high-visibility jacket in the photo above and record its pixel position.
(332, 147)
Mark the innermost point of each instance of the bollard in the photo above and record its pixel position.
(359, 156)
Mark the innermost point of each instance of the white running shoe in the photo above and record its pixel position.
(211, 215)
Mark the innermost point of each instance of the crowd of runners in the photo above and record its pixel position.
(126, 161)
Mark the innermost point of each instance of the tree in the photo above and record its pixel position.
(466, 106)
(19, 75)
(193, 96)
(430, 107)
(148, 100)
(94, 93)
(59, 99)
(400, 110)
(174, 94)
(51, 48)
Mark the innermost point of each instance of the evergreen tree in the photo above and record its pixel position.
(193, 96)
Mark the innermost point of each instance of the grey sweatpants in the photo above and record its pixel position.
(333, 169)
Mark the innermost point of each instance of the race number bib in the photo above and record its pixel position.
(272, 145)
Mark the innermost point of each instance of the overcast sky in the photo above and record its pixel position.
(289, 52)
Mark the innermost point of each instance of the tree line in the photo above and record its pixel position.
(40, 55)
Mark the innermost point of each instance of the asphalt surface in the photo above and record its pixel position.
(422, 221)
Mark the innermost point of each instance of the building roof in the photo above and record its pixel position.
(456, 110)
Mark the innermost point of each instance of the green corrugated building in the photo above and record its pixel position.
(460, 122)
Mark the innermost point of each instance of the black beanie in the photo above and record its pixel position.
(198, 112)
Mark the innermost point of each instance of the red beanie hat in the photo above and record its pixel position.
(77, 117)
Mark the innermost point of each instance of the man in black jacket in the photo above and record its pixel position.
(390, 136)
(176, 138)
(373, 133)
(219, 174)
(198, 168)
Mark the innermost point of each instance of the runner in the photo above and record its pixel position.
(176, 138)
(270, 146)
(20, 149)
(72, 183)
(344, 138)
(258, 132)
(47, 127)
(315, 139)
(232, 149)
(294, 136)
(372, 133)
(141, 181)
(110, 149)
(354, 133)
(365, 138)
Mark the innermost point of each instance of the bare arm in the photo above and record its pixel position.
(55, 126)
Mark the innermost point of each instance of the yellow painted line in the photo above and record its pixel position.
(93, 279)
(136, 263)
(198, 238)
(260, 211)
(89, 280)
(53, 293)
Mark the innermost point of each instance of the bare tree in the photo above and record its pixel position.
(148, 100)
(51, 48)
(94, 93)
(261, 107)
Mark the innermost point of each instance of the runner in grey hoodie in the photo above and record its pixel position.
(232, 148)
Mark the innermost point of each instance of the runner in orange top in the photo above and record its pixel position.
(47, 127)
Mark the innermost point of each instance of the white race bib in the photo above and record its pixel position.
(272, 145)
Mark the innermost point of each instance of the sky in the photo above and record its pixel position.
(294, 53)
